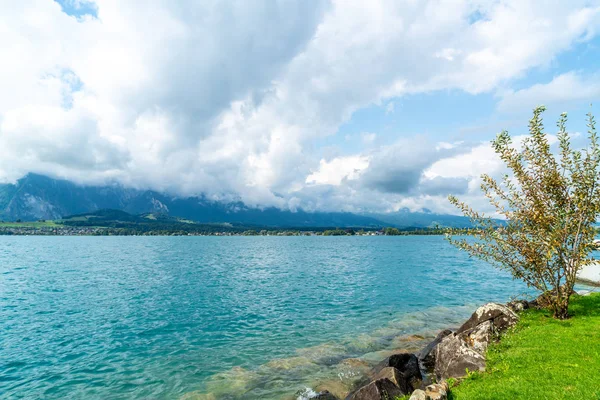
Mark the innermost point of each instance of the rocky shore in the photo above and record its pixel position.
(424, 375)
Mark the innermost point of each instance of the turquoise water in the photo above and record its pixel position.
(222, 317)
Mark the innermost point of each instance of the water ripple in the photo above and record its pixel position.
(220, 318)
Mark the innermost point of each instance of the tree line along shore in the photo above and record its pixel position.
(56, 228)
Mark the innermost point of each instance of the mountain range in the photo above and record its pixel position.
(36, 197)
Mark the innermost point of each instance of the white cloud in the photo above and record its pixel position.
(448, 54)
(228, 98)
(562, 90)
(335, 171)
(472, 164)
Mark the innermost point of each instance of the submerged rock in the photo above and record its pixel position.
(364, 343)
(381, 389)
(198, 396)
(357, 363)
(410, 338)
(351, 372)
(324, 354)
(454, 356)
(324, 395)
(235, 381)
(501, 317)
(336, 387)
(290, 363)
(411, 344)
(375, 357)
(309, 394)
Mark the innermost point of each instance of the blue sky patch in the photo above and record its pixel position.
(79, 8)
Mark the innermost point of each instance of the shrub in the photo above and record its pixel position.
(549, 204)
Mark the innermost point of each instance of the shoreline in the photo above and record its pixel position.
(108, 232)
(335, 366)
(349, 371)
(453, 356)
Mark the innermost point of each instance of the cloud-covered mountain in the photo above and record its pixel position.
(323, 105)
(37, 197)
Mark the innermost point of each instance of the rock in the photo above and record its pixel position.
(408, 366)
(410, 338)
(363, 344)
(309, 394)
(324, 395)
(355, 363)
(437, 391)
(453, 356)
(235, 381)
(324, 354)
(427, 355)
(290, 363)
(546, 299)
(418, 395)
(381, 389)
(401, 369)
(518, 305)
(534, 304)
(396, 377)
(351, 372)
(501, 317)
(479, 337)
(404, 362)
(409, 344)
(336, 387)
(198, 396)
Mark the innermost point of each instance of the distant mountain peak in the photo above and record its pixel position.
(37, 196)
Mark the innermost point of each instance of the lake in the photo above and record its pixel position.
(222, 317)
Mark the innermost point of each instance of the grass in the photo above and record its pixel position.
(542, 358)
(32, 224)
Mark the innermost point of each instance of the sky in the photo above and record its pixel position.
(341, 105)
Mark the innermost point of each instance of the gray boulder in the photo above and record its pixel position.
(454, 356)
(518, 305)
(427, 355)
(437, 391)
(408, 366)
(381, 389)
(402, 370)
(479, 337)
(500, 316)
(418, 395)
(396, 377)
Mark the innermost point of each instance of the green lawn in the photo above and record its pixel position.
(543, 358)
